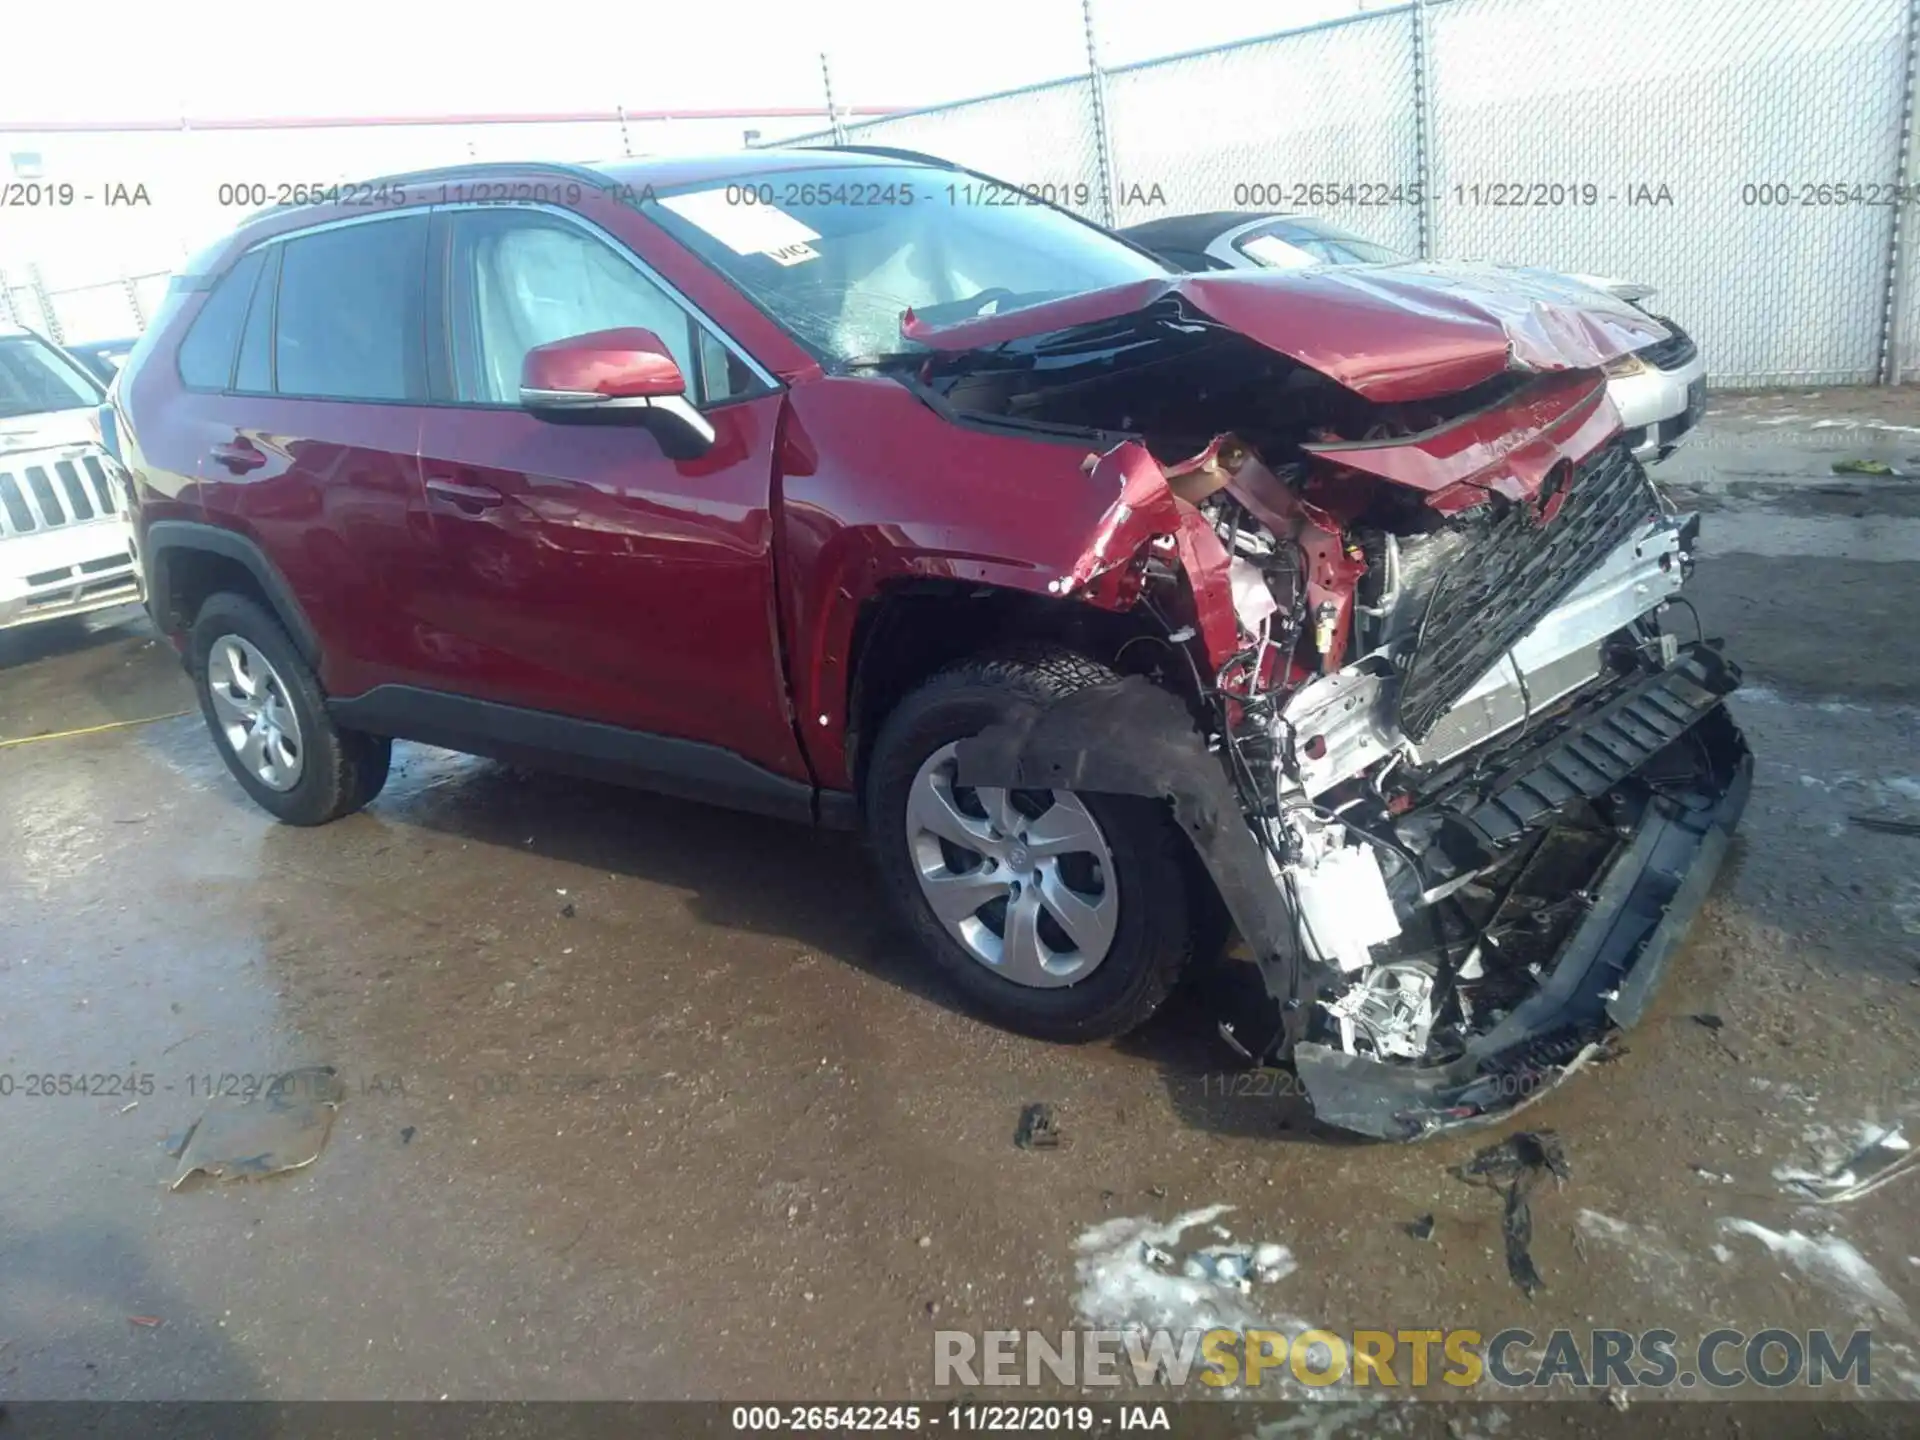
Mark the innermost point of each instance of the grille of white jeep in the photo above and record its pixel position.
(46, 489)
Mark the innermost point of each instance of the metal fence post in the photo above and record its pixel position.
(49, 319)
(1898, 288)
(1423, 123)
(833, 111)
(133, 301)
(1102, 136)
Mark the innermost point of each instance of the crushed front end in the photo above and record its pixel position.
(1421, 706)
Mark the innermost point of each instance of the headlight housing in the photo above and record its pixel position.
(1626, 365)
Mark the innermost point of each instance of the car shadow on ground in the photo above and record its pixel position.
(88, 1319)
(26, 644)
(772, 878)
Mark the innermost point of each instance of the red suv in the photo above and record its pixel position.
(854, 488)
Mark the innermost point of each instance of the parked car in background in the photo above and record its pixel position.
(1113, 603)
(102, 358)
(63, 526)
(1660, 389)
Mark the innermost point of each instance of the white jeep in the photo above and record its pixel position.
(65, 545)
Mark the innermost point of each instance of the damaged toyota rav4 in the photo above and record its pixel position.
(1115, 605)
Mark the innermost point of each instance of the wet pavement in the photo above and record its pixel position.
(644, 1099)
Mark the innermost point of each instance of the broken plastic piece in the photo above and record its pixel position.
(1520, 1159)
(1037, 1130)
(248, 1137)
(1880, 1162)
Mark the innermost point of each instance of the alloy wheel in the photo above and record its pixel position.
(1023, 879)
(254, 713)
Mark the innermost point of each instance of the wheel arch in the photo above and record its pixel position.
(187, 561)
(910, 630)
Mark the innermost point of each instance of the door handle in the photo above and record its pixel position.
(467, 497)
(238, 456)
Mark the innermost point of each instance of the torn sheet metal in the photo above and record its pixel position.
(251, 1136)
(1512, 449)
(1146, 510)
(1390, 333)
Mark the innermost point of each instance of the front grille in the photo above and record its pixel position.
(1671, 353)
(49, 489)
(1509, 574)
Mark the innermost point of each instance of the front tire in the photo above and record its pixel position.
(269, 720)
(1062, 916)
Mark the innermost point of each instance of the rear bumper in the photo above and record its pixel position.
(1601, 981)
(67, 571)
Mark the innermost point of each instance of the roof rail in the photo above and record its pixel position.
(475, 169)
(892, 151)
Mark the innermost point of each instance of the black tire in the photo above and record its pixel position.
(1153, 939)
(341, 770)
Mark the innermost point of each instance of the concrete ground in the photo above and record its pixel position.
(650, 1100)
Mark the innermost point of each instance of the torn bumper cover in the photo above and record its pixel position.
(1635, 917)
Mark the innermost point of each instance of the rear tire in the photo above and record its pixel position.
(268, 718)
(1132, 849)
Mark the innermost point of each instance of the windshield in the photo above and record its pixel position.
(838, 254)
(1291, 244)
(35, 378)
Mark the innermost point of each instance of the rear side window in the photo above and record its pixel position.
(206, 352)
(347, 324)
(255, 370)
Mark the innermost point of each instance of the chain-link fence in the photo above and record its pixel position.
(109, 310)
(1750, 159)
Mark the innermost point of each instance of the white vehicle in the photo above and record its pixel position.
(1660, 390)
(65, 544)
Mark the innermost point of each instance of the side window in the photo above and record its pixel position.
(254, 373)
(517, 279)
(206, 351)
(347, 324)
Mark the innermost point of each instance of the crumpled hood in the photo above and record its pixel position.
(1391, 333)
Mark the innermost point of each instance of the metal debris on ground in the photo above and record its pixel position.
(1422, 1228)
(1037, 1130)
(283, 1126)
(1880, 1162)
(1886, 824)
(148, 1322)
(1519, 1160)
(1713, 1025)
(406, 1134)
(1862, 467)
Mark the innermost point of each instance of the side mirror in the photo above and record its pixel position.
(616, 372)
